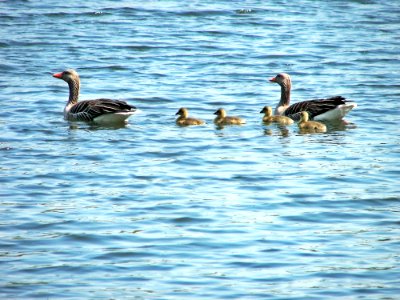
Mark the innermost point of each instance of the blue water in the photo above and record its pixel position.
(151, 210)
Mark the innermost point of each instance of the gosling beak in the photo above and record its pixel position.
(262, 111)
(58, 75)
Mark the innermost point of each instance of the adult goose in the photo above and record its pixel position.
(184, 120)
(329, 109)
(222, 119)
(100, 111)
(307, 126)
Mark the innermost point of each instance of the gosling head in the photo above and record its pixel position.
(267, 110)
(304, 116)
(220, 113)
(183, 112)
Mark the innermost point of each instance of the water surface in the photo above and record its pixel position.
(156, 211)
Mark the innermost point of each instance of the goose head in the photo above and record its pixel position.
(67, 75)
(282, 79)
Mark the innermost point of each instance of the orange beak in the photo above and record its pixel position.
(273, 79)
(58, 75)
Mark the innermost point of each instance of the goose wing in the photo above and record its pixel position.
(91, 109)
(314, 107)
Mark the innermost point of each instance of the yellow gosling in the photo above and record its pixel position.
(307, 126)
(184, 120)
(269, 118)
(223, 119)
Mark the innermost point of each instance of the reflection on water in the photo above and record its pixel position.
(93, 126)
(280, 130)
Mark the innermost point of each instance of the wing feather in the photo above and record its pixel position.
(90, 109)
(314, 107)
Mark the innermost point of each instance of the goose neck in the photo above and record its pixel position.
(74, 86)
(285, 93)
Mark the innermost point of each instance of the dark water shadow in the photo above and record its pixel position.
(95, 127)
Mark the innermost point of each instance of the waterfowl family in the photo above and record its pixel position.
(269, 118)
(184, 119)
(223, 119)
(330, 109)
(116, 111)
(310, 126)
(98, 111)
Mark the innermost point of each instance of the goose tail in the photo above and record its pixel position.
(345, 108)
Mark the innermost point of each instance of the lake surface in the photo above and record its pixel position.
(151, 210)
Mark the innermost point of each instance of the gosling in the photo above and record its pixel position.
(269, 118)
(184, 120)
(222, 119)
(310, 126)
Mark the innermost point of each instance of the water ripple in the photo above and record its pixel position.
(159, 211)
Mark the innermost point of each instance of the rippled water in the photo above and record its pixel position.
(156, 211)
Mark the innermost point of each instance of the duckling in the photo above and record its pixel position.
(310, 126)
(223, 119)
(184, 120)
(269, 118)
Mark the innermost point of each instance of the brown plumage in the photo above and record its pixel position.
(184, 120)
(223, 119)
(269, 118)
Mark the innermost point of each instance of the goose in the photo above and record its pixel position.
(184, 120)
(329, 109)
(309, 126)
(100, 111)
(223, 119)
(269, 118)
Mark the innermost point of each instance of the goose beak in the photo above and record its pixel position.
(58, 75)
(273, 79)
